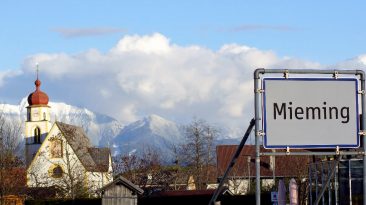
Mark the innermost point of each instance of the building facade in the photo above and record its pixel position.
(60, 155)
(241, 179)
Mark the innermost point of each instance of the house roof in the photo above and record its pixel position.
(100, 156)
(285, 166)
(125, 182)
(93, 159)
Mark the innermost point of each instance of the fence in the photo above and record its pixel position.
(345, 186)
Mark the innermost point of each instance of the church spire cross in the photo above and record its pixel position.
(37, 69)
(37, 97)
(37, 82)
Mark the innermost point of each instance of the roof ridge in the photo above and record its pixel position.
(81, 145)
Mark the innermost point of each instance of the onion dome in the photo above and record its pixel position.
(38, 97)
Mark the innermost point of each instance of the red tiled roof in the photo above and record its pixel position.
(285, 166)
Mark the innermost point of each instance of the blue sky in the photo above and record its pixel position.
(176, 59)
(322, 31)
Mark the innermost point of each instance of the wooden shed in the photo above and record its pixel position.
(120, 191)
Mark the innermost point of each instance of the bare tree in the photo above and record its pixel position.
(199, 150)
(10, 164)
(146, 169)
(73, 178)
(239, 181)
(195, 157)
(179, 174)
(126, 164)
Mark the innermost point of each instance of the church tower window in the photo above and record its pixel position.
(37, 136)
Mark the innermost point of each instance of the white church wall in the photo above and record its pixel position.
(97, 180)
(39, 173)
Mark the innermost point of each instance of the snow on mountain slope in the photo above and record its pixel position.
(152, 131)
(97, 126)
(157, 133)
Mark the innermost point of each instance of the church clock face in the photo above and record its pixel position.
(35, 113)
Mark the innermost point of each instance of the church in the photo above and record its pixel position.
(60, 155)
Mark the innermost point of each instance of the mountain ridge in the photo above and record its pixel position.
(151, 131)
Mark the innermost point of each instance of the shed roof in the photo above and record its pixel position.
(121, 181)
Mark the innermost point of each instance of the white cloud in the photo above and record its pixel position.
(154, 44)
(148, 74)
(129, 113)
(4, 75)
(358, 62)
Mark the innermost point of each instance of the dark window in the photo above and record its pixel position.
(57, 172)
(37, 136)
(44, 116)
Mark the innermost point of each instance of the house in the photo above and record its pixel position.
(120, 191)
(242, 176)
(61, 155)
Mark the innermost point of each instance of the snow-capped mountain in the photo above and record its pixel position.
(157, 133)
(152, 131)
(98, 127)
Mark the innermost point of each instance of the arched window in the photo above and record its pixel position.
(37, 136)
(57, 172)
(44, 116)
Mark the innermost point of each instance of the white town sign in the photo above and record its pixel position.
(310, 113)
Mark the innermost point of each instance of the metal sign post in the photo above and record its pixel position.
(363, 126)
(309, 112)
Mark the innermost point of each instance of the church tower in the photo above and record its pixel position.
(38, 122)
